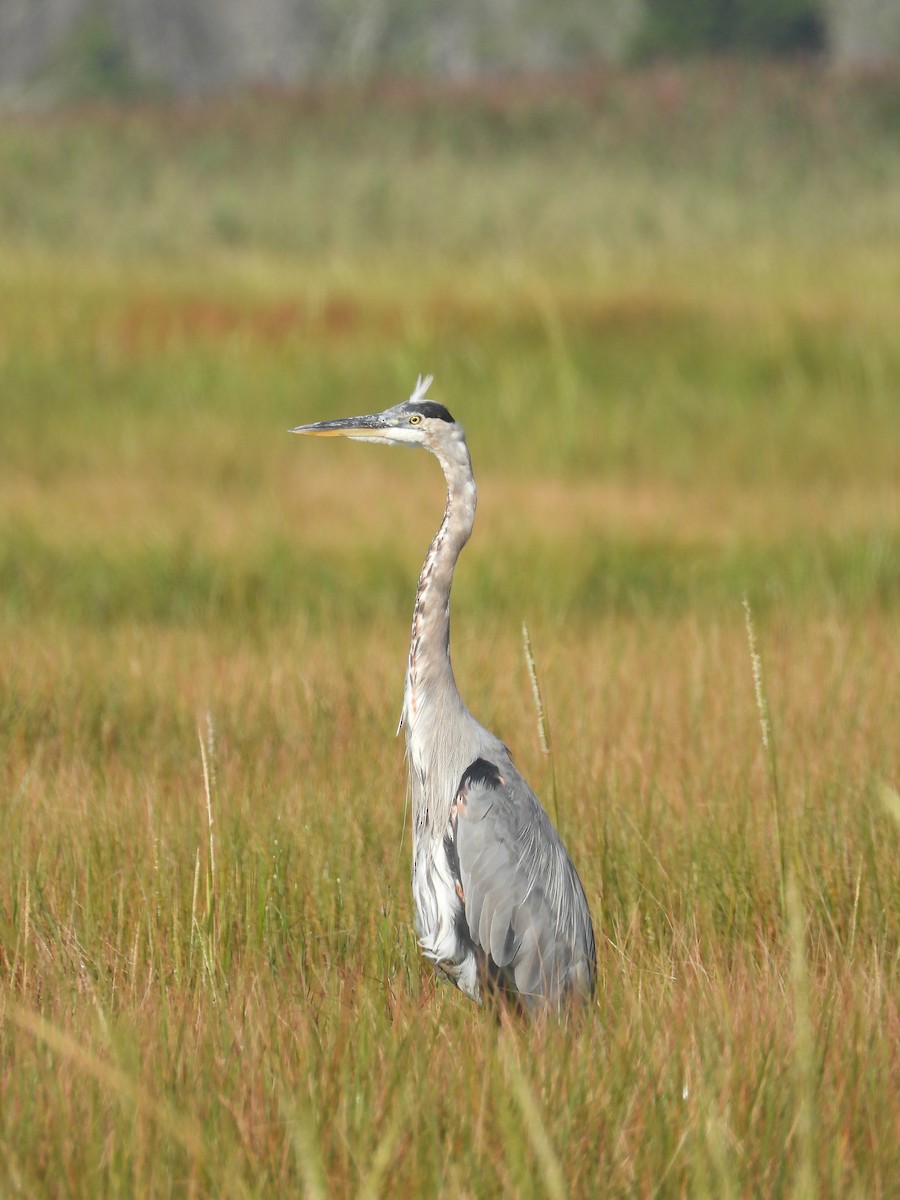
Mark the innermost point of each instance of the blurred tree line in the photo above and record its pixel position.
(59, 48)
(680, 27)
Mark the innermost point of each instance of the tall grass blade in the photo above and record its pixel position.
(890, 801)
(768, 741)
(176, 1125)
(304, 1137)
(371, 1186)
(535, 1127)
(805, 1187)
(210, 932)
(207, 756)
(543, 722)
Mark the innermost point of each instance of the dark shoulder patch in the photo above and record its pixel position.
(482, 773)
(428, 408)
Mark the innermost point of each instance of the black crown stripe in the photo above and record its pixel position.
(428, 408)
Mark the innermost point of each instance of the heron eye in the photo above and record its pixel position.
(415, 419)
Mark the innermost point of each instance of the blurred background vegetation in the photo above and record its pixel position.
(53, 49)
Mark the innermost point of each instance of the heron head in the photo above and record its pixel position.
(415, 422)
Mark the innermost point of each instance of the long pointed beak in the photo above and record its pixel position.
(368, 427)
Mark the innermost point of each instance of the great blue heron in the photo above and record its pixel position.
(499, 905)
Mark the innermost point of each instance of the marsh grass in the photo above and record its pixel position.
(679, 379)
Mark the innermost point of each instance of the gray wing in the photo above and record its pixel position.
(523, 902)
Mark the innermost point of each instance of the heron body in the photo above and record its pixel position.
(499, 906)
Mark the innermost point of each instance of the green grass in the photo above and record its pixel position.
(665, 307)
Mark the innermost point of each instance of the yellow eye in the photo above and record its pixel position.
(415, 419)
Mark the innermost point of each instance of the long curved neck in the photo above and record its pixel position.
(429, 679)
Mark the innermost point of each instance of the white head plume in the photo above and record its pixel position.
(423, 383)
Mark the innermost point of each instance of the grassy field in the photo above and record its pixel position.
(665, 306)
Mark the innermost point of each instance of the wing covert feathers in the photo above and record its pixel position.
(523, 902)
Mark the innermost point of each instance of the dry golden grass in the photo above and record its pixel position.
(295, 993)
